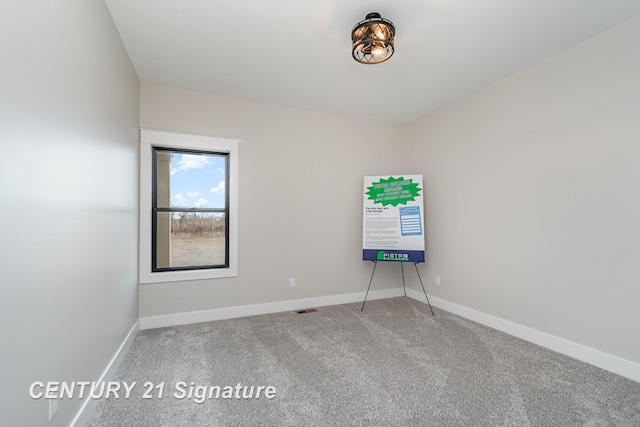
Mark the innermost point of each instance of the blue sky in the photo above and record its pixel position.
(197, 181)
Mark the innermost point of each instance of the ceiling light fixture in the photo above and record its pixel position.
(373, 39)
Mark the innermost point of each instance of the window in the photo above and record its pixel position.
(189, 210)
(188, 207)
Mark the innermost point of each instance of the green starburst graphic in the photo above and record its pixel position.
(393, 191)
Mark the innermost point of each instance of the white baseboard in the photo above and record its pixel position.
(89, 405)
(606, 361)
(152, 322)
(586, 354)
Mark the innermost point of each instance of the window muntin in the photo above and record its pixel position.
(189, 210)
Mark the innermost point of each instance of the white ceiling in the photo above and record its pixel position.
(297, 52)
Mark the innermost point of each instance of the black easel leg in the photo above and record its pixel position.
(425, 292)
(375, 263)
(403, 285)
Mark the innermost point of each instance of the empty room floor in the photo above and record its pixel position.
(393, 364)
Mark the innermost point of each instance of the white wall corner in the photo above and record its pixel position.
(89, 405)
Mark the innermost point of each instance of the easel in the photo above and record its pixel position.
(375, 264)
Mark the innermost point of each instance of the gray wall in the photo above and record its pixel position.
(300, 198)
(532, 193)
(69, 112)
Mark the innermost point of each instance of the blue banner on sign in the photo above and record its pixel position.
(387, 255)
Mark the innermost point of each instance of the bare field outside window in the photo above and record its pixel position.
(196, 240)
(195, 250)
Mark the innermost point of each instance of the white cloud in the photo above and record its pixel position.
(194, 194)
(190, 161)
(218, 189)
(178, 200)
(201, 203)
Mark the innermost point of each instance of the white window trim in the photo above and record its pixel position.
(154, 138)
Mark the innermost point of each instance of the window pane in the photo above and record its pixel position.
(188, 239)
(190, 180)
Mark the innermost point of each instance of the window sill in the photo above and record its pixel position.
(181, 276)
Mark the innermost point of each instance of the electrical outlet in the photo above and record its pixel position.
(53, 407)
(292, 282)
(437, 280)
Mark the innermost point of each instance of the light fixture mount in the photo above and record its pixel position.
(373, 39)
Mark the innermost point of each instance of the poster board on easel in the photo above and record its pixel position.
(393, 218)
(393, 224)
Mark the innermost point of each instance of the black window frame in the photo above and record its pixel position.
(155, 209)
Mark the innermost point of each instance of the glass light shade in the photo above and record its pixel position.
(373, 39)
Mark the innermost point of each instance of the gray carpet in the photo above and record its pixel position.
(392, 365)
